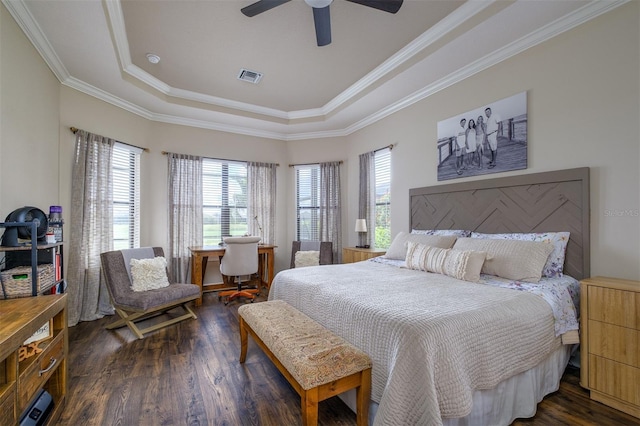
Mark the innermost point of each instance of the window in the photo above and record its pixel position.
(308, 202)
(224, 196)
(125, 169)
(382, 237)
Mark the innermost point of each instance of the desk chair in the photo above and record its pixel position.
(240, 258)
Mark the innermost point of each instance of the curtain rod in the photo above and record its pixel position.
(221, 159)
(74, 130)
(384, 147)
(311, 164)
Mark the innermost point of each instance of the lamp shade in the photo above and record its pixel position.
(361, 225)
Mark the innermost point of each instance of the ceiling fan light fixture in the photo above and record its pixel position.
(153, 58)
(318, 4)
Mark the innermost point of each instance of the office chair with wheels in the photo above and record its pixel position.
(240, 259)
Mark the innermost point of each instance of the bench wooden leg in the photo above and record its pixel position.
(309, 402)
(243, 340)
(363, 395)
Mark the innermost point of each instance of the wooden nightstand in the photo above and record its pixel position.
(354, 254)
(610, 342)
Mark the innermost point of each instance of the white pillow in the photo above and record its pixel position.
(398, 248)
(149, 274)
(511, 259)
(463, 265)
(555, 262)
(307, 258)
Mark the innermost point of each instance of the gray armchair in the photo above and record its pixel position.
(134, 306)
(325, 248)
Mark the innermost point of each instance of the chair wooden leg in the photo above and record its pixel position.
(129, 319)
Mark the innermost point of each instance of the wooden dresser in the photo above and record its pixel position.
(610, 342)
(355, 254)
(20, 380)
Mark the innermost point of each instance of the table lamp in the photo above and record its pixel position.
(361, 228)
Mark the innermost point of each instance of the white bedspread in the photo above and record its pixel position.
(433, 339)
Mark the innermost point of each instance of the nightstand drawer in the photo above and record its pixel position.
(47, 362)
(614, 306)
(615, 379)
(614, 342)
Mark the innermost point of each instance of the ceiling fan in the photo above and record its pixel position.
(321, 17)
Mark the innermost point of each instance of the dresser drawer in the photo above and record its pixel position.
(7, 406)
(31, 380)
(613, 342)
(618, 380)
(619, 307)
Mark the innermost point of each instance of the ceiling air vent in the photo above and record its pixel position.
(250, 76)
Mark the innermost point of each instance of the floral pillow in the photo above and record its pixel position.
(555, 263)
(460, 233)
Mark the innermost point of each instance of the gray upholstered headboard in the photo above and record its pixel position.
(539, 202)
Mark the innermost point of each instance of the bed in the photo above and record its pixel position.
(449, 351)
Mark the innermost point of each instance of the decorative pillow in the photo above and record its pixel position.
(511, 259)
(307, 258)
(398, 248)
(555, 262)
(463, 265)
(149, 274)
(460, 233)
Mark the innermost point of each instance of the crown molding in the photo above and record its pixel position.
(35, 34)
(566, 23)
(448, 24)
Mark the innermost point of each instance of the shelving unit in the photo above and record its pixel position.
(57, 256)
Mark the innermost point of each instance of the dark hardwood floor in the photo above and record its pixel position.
(189, 374)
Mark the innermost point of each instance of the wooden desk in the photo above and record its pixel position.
(200, 257)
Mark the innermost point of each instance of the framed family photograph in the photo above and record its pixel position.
(489, 139)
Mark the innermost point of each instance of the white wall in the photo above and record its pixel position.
(82, 111)
(28, 123)
(583, 109)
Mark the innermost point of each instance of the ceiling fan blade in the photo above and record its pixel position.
(261, 6)
(322, 21)
(391, 6)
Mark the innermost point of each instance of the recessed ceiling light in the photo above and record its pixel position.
(153, 58)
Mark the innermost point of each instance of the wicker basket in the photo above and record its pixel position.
(16, 282)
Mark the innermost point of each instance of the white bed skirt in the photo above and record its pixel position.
(515, 397)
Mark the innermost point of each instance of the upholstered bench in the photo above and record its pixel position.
(316, 362)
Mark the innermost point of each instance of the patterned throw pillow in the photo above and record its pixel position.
(555, 262)
(149, 274)
(459, 264)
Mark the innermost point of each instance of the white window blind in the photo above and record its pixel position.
(383, 198)
(308, 202)
(125, 169)
(224, 187)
